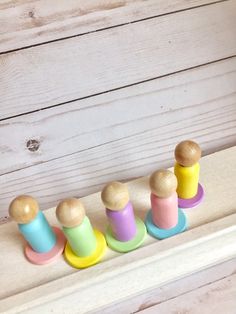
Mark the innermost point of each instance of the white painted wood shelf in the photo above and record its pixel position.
(58, 288)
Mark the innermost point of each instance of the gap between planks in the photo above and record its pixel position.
(135, 140)
(207, 35)
(119, 88)
(35, 23)
(134, 112)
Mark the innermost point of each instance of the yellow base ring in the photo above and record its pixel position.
(94, 258)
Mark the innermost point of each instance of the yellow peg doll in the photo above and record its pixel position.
(187, 168)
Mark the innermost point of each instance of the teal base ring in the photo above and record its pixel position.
(159, 233)
(130, 245)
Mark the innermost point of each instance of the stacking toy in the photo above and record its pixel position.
(164, 219)
(125, 232)
(85, 246)
(44, 244)
(187, 168)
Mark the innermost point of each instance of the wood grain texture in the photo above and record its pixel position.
(29, 22)
(71, 69)
(172, 290)
(207, 242)
(218, 297)
(116, 136)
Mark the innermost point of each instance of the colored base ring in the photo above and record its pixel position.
(159, 233)
(130, 245)
(52, 255)
(194, 201)
(94, 258)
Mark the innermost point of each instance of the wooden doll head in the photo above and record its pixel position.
(70, 212)
(187, 153)
(163, 183)
(115, 195)
(23, 209)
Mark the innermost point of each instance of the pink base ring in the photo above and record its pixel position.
(45, 258)
(194, 201)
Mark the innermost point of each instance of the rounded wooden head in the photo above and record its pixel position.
(163, 183)
(115, 195)
(187, 153)
(23, 209)
(70, 212)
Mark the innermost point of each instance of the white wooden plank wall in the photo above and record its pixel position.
(218, 297)
(93, 91)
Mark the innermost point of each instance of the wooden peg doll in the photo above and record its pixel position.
(85, 246)
(125, 231)
(164, 219)
(187, 168)
(45, 243)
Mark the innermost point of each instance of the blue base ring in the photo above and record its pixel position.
(159, 233)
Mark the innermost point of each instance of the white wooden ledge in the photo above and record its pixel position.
(59, 288)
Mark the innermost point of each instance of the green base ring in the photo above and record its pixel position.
(130, 245)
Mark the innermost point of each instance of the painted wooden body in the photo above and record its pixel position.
(81, 238)
(188, 178)
(39, 234)
(165, 211)
(122, 222)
